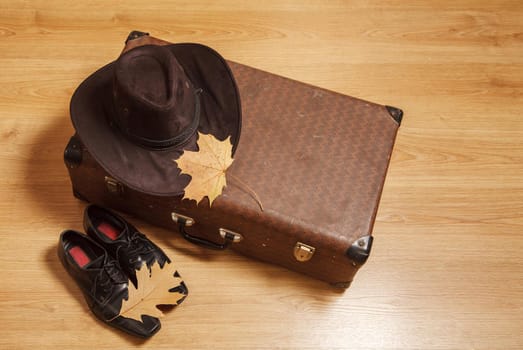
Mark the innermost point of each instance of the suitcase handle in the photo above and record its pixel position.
(228, 236)
(227, 240)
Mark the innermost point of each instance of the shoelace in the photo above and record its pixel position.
(109, 275)
(138, 245)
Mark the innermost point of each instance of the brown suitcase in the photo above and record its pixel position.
(315, 160)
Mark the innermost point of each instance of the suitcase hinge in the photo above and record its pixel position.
(303, 252)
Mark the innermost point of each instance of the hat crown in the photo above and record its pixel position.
(154, 101)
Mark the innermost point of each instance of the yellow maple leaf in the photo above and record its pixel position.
(206, 167)
(153, 288)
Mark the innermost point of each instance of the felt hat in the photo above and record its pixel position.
(139, 113)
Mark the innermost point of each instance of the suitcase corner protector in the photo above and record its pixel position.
(359, 251)
(73, 152)
(395, 113)
(79, 196)
(135, 34)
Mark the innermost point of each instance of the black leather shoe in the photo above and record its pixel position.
(123, 241)
(103, 283)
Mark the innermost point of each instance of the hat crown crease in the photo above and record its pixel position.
(153, 98)
(151, 81)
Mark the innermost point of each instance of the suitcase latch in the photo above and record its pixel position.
(113, 186)
(303, 252)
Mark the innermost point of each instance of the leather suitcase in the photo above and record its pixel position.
(314, 159)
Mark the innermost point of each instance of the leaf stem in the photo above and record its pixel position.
(248, 189)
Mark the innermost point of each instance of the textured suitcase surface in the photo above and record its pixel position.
(316, 160)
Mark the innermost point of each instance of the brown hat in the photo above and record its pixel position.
(138, 113)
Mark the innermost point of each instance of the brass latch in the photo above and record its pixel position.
(303, 252)
(113, 186)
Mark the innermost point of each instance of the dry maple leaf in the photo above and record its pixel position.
(206, 167)
(154, 288)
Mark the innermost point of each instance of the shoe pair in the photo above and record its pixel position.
(104, 263)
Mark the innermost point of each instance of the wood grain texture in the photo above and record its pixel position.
(446, 271)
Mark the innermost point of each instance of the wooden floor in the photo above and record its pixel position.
(446, 271)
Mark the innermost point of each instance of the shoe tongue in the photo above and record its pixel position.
(124, 235)
(95, 264)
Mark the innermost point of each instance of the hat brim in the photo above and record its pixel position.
(150, 170)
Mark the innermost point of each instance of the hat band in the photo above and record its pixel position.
(179, 139)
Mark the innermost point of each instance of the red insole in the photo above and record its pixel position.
(109, 230)
(79, 256)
